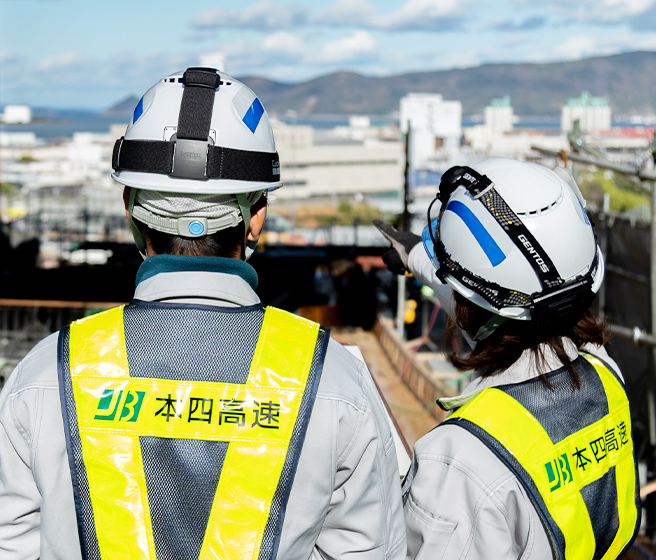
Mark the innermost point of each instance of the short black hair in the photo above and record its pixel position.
(228, 243)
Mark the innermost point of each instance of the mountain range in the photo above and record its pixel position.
(627, 80)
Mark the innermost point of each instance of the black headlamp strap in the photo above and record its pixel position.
(556, 296)
(574, 294)
(524, 240)
(200, 85)
(481, 187)
(493, 293)
(472, 180)
(190, 153)
(153, 156)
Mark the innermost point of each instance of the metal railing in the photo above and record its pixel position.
(24, 323)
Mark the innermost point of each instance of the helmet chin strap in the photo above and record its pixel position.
(136, 234)
(245, 209)
(491, 325)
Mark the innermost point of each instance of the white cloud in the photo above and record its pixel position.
(575, 47)
(261, 15)
(62, 61)
(347, 13)
(584, 46)
(275, 56)
(8, 57)
(413, 15)
(283, 42)
(600, 11)
(144, 69)
(429, 15)
(357, 46)
(647, 44)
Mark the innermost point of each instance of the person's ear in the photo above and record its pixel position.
(258, 213)
(126, 201)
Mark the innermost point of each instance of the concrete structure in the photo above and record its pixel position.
(336, 167)
(436, 129)
(498, 115)
(17, 114)
(593, 113)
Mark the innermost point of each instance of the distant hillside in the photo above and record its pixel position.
(124, 107)
(627, 80)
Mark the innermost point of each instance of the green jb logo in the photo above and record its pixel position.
(559, 472)
(111, 401)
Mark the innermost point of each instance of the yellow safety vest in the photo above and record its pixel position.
(572, 451)
(156, 458)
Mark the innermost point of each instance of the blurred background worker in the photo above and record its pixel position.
(536, 459)
(194, 422)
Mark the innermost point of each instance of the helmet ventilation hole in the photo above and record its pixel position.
(179, 80)
(542, 210)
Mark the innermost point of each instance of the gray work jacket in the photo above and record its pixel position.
(345, 501)
(460, 501)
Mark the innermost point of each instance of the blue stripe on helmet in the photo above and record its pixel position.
(489, 245)
(138, 111)
(429, 247)
(253, 115)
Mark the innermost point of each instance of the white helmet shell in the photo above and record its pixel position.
(238, 122)
(475, 234)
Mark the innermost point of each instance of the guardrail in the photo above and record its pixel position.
(414, 374)
(23, 323)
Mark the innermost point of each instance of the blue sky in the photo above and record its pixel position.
(89, 54)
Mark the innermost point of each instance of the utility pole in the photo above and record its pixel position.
(405, 226)
(405, 216)
(650, 502)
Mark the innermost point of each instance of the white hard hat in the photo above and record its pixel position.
(514, 238)
(198, 132)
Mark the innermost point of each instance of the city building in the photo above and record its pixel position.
(498, 115)
(593, 114)
(17, 114)
(498, 136)
(435, 129)
(336, 166)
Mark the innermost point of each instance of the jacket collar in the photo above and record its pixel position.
(206, 280)
(158, 264)
(522, 370)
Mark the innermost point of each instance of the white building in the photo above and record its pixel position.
(336, 167)
(17, 114)
(593, 114)
(498, 116)
(18, 140)
(498, 137)
(436, 129)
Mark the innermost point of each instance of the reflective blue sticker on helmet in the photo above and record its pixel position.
(253, 115)
(138, 111)
(428, 242)
(489, 245)
(585, 214)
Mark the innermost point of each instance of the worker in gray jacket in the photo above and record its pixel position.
(535, 460)
(194, 422)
